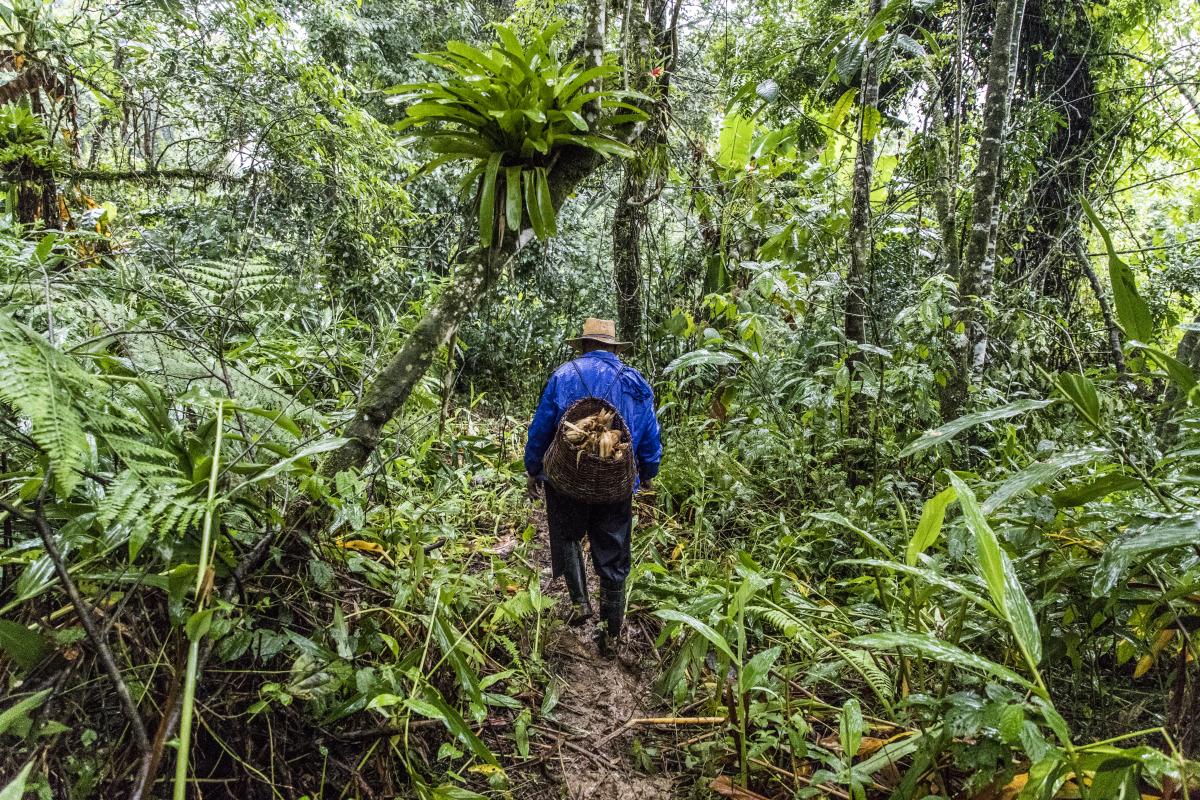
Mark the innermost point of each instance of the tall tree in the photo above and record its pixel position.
(653, 24)
(978, 266)
(858, 276)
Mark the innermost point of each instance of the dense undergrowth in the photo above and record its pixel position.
(1042, 630)
(861, 583)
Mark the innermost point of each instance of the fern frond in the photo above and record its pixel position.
(864, 664)
(40, 383)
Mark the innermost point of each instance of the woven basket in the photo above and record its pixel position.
(587, 477)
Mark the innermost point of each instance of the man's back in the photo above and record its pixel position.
(598, 373)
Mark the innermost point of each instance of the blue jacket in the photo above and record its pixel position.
(632, 396)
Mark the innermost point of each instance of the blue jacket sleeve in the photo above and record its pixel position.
(649, 448)
(541, 430)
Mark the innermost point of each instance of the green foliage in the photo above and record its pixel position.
(515, 106)
(42, 385)
(233, 230)
(1131, 308)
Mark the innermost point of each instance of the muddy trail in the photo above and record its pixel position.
(587, 747)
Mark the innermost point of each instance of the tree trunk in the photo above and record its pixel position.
(858, 275)
(629, 218)
(593, 50)
(978, 267)
(653, 39)
(1110, 324)
(943, 179)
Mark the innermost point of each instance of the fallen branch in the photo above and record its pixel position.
(677, 721)
(671, 721)
(587, 753)
(136, 175)
(724, 786)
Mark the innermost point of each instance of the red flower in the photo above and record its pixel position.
(656, 72)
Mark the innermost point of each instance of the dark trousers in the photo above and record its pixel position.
(607, 526)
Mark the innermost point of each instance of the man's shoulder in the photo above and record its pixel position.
(634, 380)
(565, 368)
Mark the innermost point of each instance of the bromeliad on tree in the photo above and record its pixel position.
(508, 111)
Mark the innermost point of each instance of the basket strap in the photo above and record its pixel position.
(579, 372)
(586, 388)
(613, 383)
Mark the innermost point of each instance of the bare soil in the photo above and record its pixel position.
(586, 753)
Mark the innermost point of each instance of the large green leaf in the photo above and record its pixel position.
(733, 144)
(1179, 373)
(1082, 394)
(292, 462)
(698, 358)
(41, 384)
(529, 184)
(841, 108)
(1038, 474)
(850, 727)
(546, 202)
(1094, 489)
(892, 753)
(1132, 310)
(457, 725)
(487, 201)
(512, 198)
(15, 789)
(758, 668)
(998, 573)
(716, 639)
(24, 646)
(448, 791)
(948, 431)
(840, 519)
(938, 650)
(927, 575)
(16, 716)
(1180, 531)
(929, 528)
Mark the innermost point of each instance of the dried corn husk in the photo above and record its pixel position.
(597, 436)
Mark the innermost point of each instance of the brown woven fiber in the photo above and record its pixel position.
(587, 477)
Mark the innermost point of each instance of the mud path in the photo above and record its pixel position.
(589, 755)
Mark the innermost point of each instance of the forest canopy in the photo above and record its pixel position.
(915, 286)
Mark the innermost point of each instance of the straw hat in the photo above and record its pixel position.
(600, 330)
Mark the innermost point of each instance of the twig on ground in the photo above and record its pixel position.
(595, 758)
(668, 721)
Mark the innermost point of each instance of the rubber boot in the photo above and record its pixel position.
(612, 617)
(573, 576)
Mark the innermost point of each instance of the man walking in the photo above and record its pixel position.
(597, 372)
